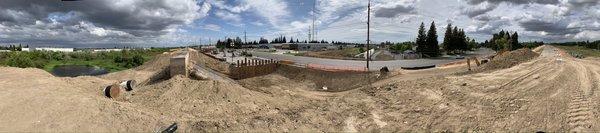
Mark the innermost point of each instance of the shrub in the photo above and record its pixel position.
(19, 60)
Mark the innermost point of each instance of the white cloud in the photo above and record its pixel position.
(212, 27)
(587, 34)
(225, 15)
(274, 11)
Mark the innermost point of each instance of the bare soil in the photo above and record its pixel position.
(344, 54)
(510, 59)
(553, 93)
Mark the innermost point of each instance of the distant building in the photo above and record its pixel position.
(107, 50)
(26, 49)
(53, 49)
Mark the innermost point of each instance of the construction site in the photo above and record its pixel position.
(543, 89)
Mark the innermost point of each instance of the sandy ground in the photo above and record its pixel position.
(552, 92)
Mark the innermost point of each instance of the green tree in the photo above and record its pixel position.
(462, 40)
(502, 43)
(515, 41)
(455, 40)
(401, 47)
(448, 39)
(433, 48)
(421, 39)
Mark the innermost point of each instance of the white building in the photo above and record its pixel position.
(26, 49)
(107, 50)
(53, 49)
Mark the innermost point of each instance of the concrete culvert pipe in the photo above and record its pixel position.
(128, 85)
(112, 91)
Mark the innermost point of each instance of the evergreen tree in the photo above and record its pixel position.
(237, 43)
(455, 39)
(515, 41)
(284, 40)
(220, 44)
(421, 39)
(433, 48)
(462, 38)
(448, 38)
(291, 39)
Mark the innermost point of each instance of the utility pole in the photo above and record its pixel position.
(368, 33)
(314, 13)
(309, 32)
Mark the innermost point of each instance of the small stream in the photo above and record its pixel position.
(77, 70)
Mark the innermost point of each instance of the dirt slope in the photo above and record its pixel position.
(35, 101)
(551, 93)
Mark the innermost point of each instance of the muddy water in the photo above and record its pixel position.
(77, 70)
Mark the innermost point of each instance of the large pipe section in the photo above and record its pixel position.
(128, 84)
(114, 90)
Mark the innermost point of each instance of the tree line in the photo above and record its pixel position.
(455, 41)
(427, 43)
(587, 44)
(237, 42)
(13, 47)
(504, 40)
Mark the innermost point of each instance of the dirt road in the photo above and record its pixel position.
(554, 92)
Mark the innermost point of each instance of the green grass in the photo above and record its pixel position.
(586, 52)
(107, 60)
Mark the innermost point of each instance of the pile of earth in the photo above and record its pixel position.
(509, 59)
(325, 80)
(344, 54)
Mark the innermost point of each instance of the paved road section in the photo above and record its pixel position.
(374, 65)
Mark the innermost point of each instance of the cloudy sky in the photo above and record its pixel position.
(109, 23)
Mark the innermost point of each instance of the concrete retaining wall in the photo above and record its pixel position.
(179, 64)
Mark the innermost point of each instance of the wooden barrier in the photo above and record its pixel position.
(252, 68)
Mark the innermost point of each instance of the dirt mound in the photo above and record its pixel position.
(509, 59)
(44, 103)
(539, 49)
(345, 54)
(333, 81)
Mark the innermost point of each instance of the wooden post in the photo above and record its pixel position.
(477, 61)
(469, 63)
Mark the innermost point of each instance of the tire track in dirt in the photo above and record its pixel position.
(580, 113)
(593, 69)
(520, 78)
